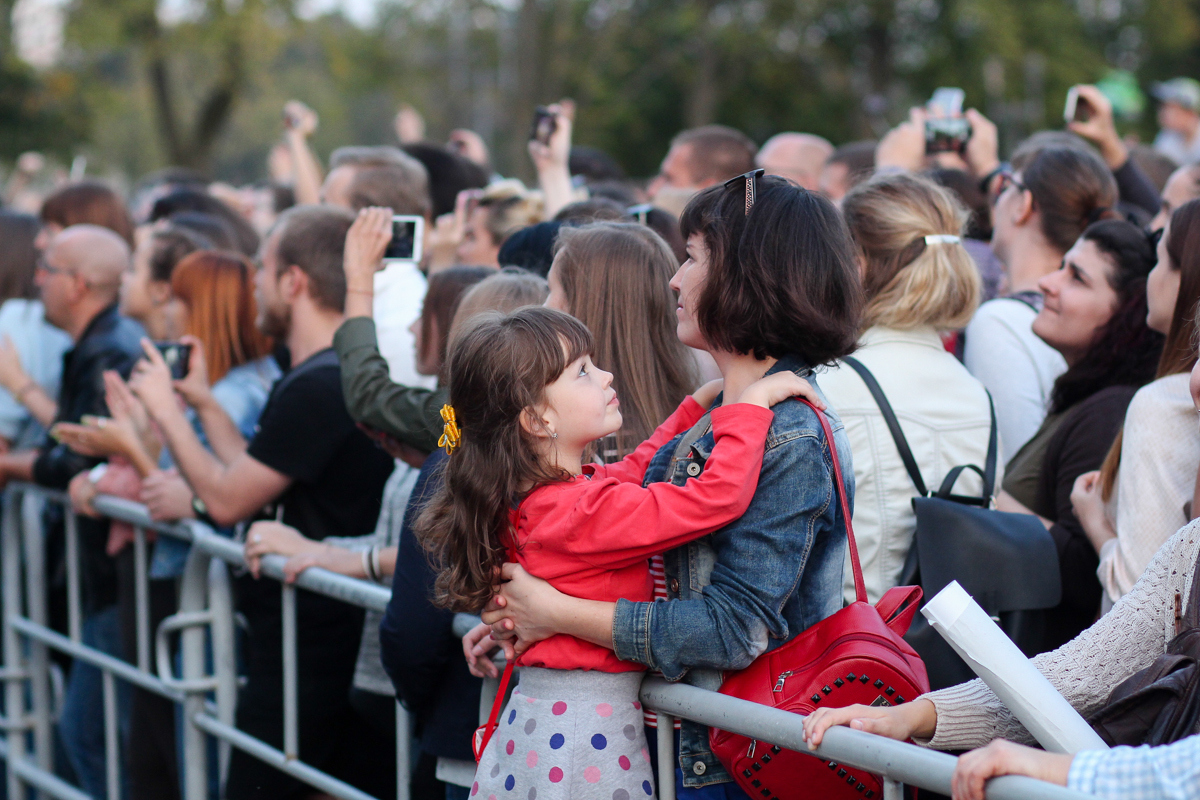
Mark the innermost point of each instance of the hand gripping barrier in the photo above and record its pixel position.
(206, 686)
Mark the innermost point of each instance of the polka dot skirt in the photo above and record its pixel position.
(568, 734)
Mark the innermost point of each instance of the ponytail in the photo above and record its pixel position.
(916, 271)
(1071, 189)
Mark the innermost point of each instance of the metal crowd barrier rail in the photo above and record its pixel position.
(206, 607)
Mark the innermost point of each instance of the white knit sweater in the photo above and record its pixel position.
(1086, 669)
(1160, 454)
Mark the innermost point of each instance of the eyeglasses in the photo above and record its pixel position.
(1006, 179)
(50, 269)
(640, 212)
(751, 179)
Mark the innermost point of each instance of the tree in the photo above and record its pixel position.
(196, 68)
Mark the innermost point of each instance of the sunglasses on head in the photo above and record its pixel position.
(751, 184)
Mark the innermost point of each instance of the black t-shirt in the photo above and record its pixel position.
(306, 433)
(337, 477)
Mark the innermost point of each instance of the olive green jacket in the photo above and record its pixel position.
(412, 415)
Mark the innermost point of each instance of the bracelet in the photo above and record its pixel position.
(370, 563)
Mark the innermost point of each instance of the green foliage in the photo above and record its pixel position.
(38, 113)
(208, 90)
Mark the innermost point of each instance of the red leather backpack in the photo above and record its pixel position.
(857, 655)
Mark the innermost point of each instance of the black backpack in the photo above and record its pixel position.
(1007, 562)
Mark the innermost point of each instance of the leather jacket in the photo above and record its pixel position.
(110, 341)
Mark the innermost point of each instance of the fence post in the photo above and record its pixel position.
(33, 536)
(74, 600)
(220, 603)
(403, 752)
(14, 663)
(666, 755)
(291, 721)
(141, 603)
(193, 597)
(112, 745)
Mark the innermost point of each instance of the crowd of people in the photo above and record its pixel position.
(572, 415)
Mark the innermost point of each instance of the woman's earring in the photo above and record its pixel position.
(553, 435)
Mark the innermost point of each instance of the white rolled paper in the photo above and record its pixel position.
(1005, 669)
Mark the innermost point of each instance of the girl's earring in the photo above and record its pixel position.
(553, 435)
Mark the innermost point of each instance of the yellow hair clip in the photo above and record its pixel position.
(451, 435)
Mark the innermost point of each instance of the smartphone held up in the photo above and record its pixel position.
(178, 357)
(946, 129)
(1077, 109)
(408, 235)
(544, 125)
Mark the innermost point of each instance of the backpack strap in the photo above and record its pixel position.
(988, 473)
(497, 706)
(693, 435)
(860, 587)
(484, 734)
(893, 424)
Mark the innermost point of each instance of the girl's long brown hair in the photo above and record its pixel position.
(617, 277)
(217, 287)
(1179, 350)
(500, 366)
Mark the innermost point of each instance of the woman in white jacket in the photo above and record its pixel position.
(919, 281)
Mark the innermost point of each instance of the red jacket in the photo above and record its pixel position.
(592, 536)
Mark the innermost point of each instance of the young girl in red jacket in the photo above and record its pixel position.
(529, 401)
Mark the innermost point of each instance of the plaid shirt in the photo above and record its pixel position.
(1170, 772)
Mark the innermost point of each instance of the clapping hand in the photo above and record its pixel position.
(194, 387)
(152, 384)
(12, 374)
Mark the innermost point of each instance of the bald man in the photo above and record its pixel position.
(79, 275)
(797, 156)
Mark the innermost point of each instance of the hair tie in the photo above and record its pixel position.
(451, 435)
(1096, 213)
(943, 238)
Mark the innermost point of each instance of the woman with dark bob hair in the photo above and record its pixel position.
(770, 284)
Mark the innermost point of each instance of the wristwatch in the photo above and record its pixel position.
(201, 511)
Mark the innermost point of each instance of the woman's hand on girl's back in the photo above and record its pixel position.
(706, 394)
(522, 609)
(780, 386)
(916, 719)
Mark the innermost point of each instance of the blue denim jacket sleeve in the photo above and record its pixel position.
(761, 560)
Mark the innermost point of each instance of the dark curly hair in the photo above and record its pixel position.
(1126, 351)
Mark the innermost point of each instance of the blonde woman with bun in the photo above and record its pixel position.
(919, 281)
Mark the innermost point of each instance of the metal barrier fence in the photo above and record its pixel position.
(205, 624)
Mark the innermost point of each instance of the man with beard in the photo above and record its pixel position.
(309, 467)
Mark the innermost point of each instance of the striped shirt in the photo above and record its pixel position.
(658, 574)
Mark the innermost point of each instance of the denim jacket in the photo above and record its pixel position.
(756, 583)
